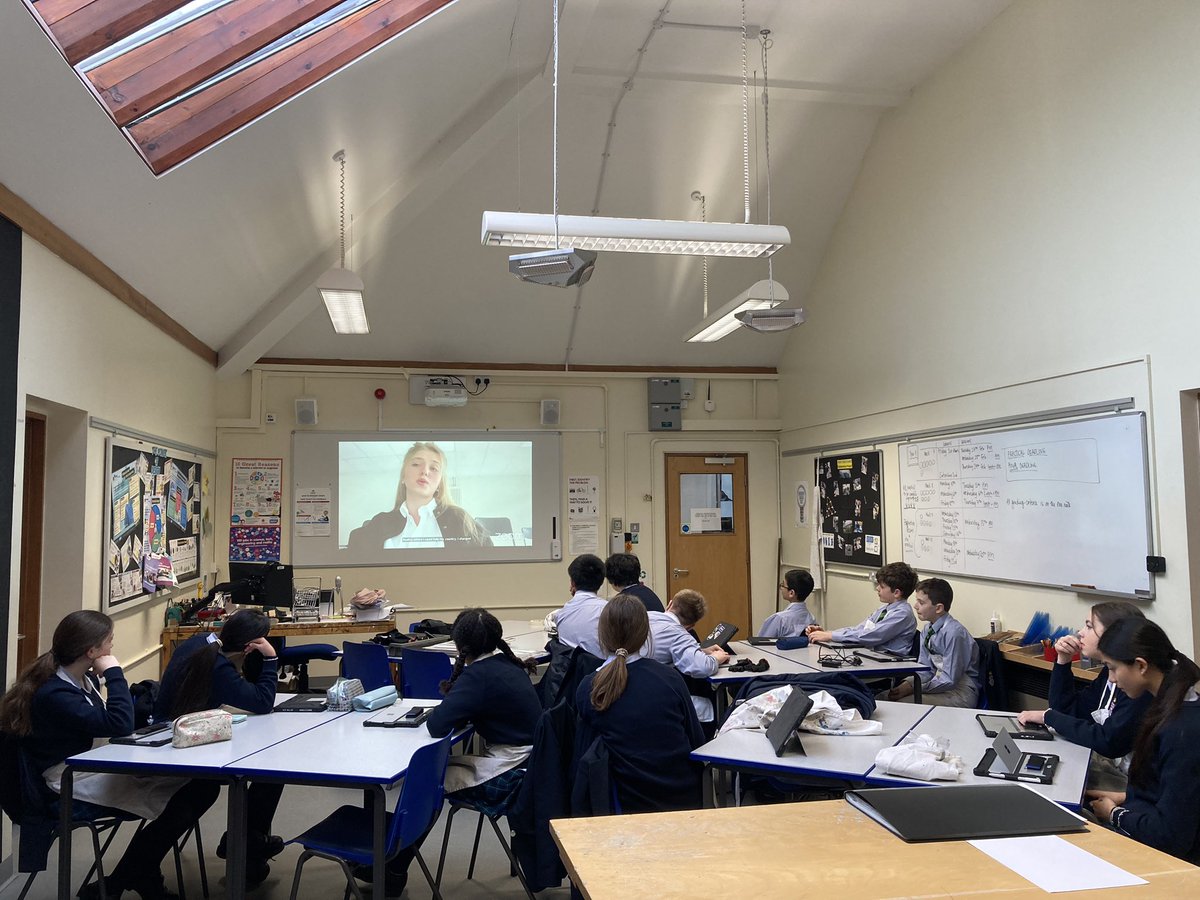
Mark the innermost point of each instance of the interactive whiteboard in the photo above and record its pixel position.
(1063, 505)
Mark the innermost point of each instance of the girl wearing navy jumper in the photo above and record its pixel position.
(644, 714)
(1162, 805)
(1097, 714)
(204, 673)
(55, 707)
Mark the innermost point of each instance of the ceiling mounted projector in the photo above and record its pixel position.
(776, 319)
(558, 268)
(445, 396)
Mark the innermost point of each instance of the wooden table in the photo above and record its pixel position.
(788, 850)
(175, 635)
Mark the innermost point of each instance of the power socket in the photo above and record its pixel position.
(709, 405)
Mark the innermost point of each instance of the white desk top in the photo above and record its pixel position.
(779, 665)
(252, 736)
(808, 656)
(825, 755)
(527, 644)
(341, 750)
(968, 741)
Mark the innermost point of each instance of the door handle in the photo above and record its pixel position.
(677, 572)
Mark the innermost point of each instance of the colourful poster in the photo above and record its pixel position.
(256, 492)
(254, 543)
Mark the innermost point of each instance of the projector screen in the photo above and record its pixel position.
(423, 497)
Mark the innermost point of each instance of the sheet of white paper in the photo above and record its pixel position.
(1055, 865)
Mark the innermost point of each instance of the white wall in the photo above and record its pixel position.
(604, 421)
(1022, 237)
(84, 353)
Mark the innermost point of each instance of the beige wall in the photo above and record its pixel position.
(85, 354)
(1022, 237)
(604, 434)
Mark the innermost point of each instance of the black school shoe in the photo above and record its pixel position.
(393, 882)
(261, 847)
(152, 889)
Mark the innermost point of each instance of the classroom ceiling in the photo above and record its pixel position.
(453, 118)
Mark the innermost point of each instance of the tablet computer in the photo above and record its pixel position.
(398, 717)
(720, 636)
(782, 730)
(1004, 759)
(993, 725)
(303, 703)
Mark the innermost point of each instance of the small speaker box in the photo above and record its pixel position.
(306, 411)
(551, 412)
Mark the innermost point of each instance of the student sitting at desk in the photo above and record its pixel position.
(577, 622)
(624, 573)
(642, 711)
(793, 621)
(489, 689)
(890, 628)
(55, 708)
(947, 648)
(1097, 714)
(204, 673)
(1162, 805)
(672, 644)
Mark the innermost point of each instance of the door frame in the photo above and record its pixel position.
(33, 506)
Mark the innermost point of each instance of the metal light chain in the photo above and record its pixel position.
(340, 156)
(696, 195)
(767, 43)
(555, 2)
(745, 122)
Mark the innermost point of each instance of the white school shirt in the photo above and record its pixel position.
(426, 533)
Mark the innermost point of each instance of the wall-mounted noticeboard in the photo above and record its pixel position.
(851, 488)
(152, 521)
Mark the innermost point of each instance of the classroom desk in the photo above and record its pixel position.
(870, 668)
(254, 735)
(526, 641)
(175, 635)
(827, 848)
(825, 755)
(727, 682)
(968, 741)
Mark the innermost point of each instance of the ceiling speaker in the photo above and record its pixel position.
(551, 412)
(306, 411)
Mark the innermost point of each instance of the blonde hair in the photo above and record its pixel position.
(689, 605)
(441, 497)
(624, 627)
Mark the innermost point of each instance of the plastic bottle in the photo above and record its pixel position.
(994, 624)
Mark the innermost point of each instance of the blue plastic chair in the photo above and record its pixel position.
(423, 672)
(368, 663)
(346, 836)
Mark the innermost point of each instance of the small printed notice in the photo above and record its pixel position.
(583, 498)
(584, 537)
(802, 505)
(705, 520)
(312, 512)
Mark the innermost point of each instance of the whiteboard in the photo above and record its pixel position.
(1063, 505)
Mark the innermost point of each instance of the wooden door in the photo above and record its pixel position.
(29, 610)
(708, 535)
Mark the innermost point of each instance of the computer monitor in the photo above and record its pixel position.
(268, 585)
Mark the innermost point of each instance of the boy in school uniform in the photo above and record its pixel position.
(892, 626)
(947, 648)
(672, 644)
(578, 622)
(792, 621)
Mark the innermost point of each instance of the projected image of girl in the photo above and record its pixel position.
(425, 515)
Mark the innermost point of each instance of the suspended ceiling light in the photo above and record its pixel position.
(762, 295)
(340, 288)
(768, 320)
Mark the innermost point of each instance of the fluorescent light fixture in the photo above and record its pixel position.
(777, 319)
(342, 292)
(558, 268)
(536, 230)
(758, 296)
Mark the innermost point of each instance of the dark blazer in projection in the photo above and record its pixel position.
(452, 520)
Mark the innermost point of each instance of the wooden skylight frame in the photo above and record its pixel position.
(184, 90)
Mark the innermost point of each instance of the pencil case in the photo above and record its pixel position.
(798, 642)
(376, 699)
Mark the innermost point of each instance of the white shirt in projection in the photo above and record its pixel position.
(423, 534)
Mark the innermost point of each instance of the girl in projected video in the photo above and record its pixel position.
(425, 516)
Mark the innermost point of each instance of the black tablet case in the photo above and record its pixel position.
(964, 812)
(788, 719)
(1021, 734)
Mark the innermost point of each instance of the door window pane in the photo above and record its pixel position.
(706, 503)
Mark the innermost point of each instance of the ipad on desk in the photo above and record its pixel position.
(1004, 759)
(964, 812)
(761, 641)
(720, 636)
(303, 703)
(885, 655)
(396, 716)
(782, 730)
(993, 725)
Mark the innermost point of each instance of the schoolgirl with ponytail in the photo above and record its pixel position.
(54, 707)
(643, 713)
(1162, 804)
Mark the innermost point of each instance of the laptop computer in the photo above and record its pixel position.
(1004, 759)
(782, 731)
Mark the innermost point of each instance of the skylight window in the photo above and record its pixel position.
(177, 76)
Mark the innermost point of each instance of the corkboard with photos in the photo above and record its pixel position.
(851, 494)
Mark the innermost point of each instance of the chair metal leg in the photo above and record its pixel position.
(437, 895)
(445, 843)
(200, 859)
(99, 860)
(351, 885)
(28, 885)
(304, 857)
(475, 847)
(513, 867)
(178, 854)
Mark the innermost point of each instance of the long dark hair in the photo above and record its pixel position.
(75, 635)
(1109, 611)
(195, 681)
(475, 632)
(624, 627)
(1130, 639)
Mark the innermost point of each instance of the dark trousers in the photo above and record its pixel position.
(142, 861)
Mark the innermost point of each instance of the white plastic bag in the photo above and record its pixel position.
(825, 717)
(924, 757)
